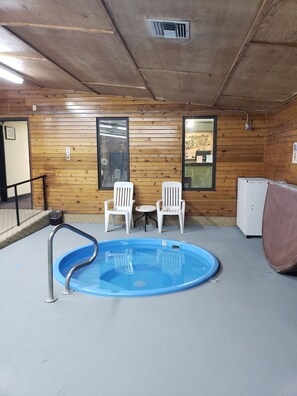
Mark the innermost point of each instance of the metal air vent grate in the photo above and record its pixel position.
(169, 29)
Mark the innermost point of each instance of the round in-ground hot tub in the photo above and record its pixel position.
(137, 267)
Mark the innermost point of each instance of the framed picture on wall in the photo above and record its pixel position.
(9, 133)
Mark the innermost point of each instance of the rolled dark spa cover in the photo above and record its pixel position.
(279, 229)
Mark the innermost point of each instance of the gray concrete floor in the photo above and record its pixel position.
(236, 336)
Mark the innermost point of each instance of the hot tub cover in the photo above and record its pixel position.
(279, 233)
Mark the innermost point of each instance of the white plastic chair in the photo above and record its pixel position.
(171, 204)
(122, 203)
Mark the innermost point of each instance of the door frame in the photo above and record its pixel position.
(2, 154)
(3, 183)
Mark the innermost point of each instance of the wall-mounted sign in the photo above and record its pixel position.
(294, 158)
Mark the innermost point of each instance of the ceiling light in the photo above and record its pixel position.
(10, 76)
(14, 63)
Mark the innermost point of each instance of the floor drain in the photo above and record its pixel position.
(140, 283)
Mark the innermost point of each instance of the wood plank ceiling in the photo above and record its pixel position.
(240, 54)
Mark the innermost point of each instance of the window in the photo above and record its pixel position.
(199, 153)
(113, 151)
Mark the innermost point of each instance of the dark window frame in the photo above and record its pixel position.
(213, 187)
(98, 119)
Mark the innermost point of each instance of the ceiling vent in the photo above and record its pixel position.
(169, 29)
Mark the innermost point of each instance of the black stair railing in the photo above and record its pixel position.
(15, 186)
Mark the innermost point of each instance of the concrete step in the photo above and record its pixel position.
(27, 227)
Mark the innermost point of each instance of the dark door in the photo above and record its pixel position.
(3, 192)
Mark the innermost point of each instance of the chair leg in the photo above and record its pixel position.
(131, 221)
(106, 221)
(160, 222)
(181, 222)
(127, 219)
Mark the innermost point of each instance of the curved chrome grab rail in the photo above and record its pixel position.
(51, 297)
(70, 273)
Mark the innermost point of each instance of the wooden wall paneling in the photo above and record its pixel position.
(239, 154)
(155, 129)
(72, 184)
(281, 134)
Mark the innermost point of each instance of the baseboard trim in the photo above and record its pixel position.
(199, 220)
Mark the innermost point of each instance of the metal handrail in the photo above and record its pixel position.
(51, 297)
(23, 182)
(14, 186)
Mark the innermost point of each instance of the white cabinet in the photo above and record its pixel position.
(251, 194)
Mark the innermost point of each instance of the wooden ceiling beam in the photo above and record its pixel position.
(182, 72)
(250, 97)
(127, 49)
(46, 57)
(262, 12)
(56, 27)
(113, 85)
(283, 102)
(275, 44)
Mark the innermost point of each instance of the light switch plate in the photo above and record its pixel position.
(68, 153)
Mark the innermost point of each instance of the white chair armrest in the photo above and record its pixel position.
(106, 203)
(158, 205)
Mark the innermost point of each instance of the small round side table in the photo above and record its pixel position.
(146, 209)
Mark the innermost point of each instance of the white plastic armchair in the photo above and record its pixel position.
(171, 204)
(121, 204)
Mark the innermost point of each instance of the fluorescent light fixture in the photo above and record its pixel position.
(10, 76)
(14, 63)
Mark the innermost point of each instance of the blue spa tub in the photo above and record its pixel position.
(137, 267)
